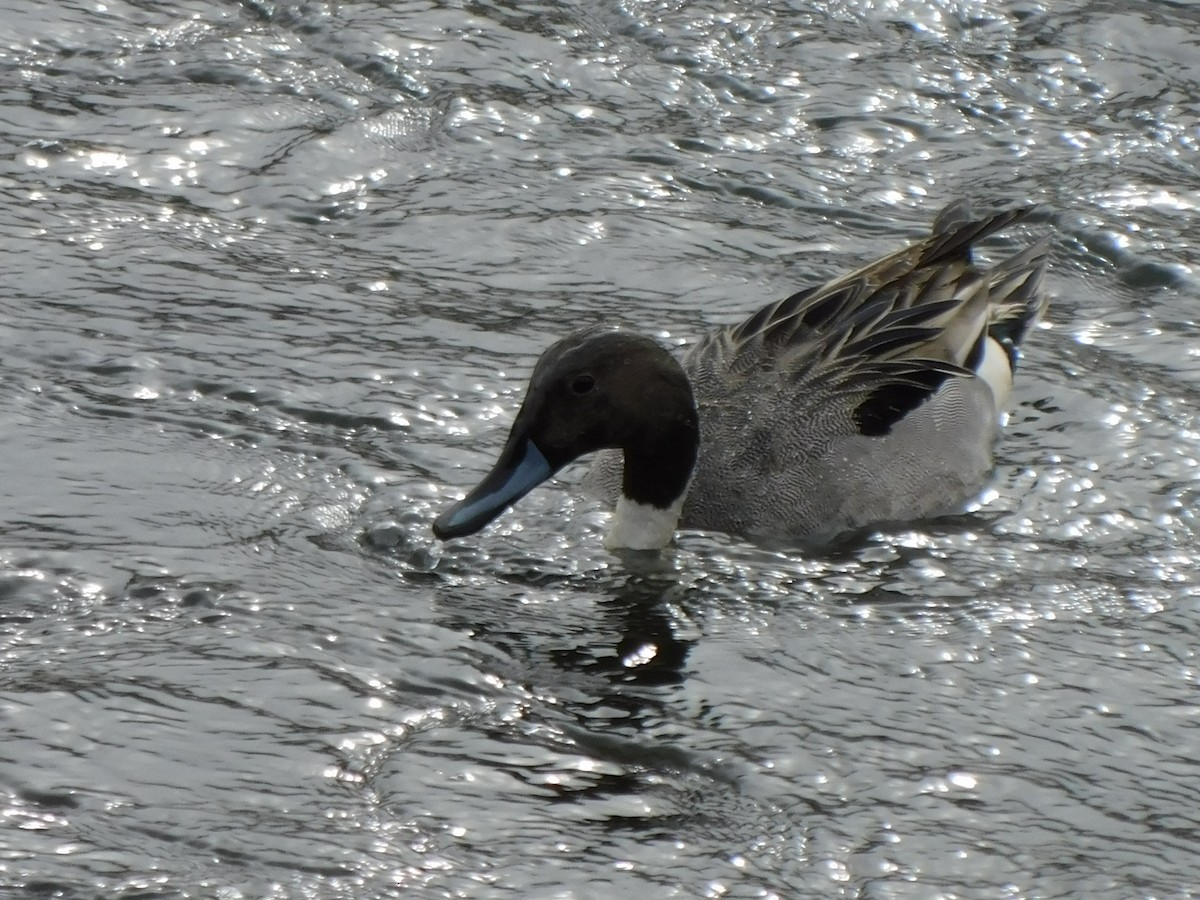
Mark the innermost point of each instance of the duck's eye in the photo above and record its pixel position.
(582, 384)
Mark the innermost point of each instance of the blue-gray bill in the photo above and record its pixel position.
(521, 468)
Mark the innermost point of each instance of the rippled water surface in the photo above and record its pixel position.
(273, 279)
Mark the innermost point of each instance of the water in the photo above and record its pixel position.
(274, 276)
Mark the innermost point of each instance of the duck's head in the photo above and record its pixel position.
(597, 389)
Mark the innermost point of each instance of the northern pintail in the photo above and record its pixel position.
(872, 398)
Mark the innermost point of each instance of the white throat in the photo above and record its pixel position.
(640, 526)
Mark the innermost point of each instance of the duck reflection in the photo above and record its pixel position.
(637, 643)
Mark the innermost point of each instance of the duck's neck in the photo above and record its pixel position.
(658, 471)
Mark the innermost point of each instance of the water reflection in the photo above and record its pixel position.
(625, 635)
(634, 640)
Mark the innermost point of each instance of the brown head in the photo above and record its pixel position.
(596, 389)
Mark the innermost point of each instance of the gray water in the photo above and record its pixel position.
(273, 278)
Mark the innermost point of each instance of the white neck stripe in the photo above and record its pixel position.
(641, 526)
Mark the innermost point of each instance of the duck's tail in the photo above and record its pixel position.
(1018, 300)
(1011, 291)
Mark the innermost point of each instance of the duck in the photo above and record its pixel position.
(871, 399)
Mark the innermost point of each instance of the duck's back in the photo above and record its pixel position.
(778, 464)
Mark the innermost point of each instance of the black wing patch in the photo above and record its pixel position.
(895, 388)
(892, 401)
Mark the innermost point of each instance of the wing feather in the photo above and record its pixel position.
(885, 337)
